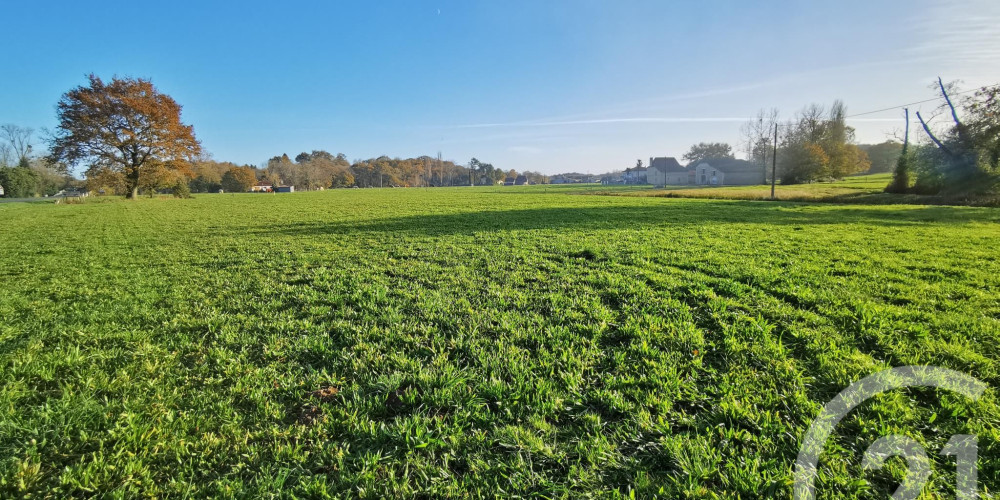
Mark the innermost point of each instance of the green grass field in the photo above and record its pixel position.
(472, 342)
(863, 189)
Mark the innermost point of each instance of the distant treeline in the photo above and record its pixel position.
(321, 170)
(25, 175)
(814, 145)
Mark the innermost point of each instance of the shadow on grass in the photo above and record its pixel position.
(645, 216)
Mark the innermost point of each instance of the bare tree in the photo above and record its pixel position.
(6, 155)
(755, 135)
(811, 122)
(15, 143)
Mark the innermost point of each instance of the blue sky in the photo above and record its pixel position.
(530, 85)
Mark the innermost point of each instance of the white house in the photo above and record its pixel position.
(667, 171)
(726, 172)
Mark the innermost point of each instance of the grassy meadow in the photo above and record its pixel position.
(862, 189)
(468, 342)
(846, 189)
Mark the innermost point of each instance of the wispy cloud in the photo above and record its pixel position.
(698, 94)
(968, 33)
(524, 149)
(604, 121)
(631, 108)
(505, 136)
(874, 119)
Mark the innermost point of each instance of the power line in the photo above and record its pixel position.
(912, 103)
(895, 107)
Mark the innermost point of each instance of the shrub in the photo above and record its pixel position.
(181, 189)
(19, 182)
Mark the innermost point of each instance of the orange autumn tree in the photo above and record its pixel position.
(239, 179)
(125, 126)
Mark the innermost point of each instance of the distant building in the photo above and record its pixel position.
(262, 187)
(635, 176)
(284, 189)
(667, 171)
(726, 172)
(509, 181)
(521, 180)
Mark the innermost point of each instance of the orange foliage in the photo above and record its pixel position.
(128, 127)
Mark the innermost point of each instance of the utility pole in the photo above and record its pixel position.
(750, 148)
(774, 159)
(440, 169)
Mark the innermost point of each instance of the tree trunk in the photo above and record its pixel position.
(133, 183)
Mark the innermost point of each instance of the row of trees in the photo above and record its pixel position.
(308, 171)
(321, 170)
(318, 169)
(816, 144)
(819, 145)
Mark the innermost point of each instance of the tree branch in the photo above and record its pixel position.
(930, 134)
(944, 93)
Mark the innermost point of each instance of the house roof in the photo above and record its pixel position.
(727, 165)
(667, 164)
